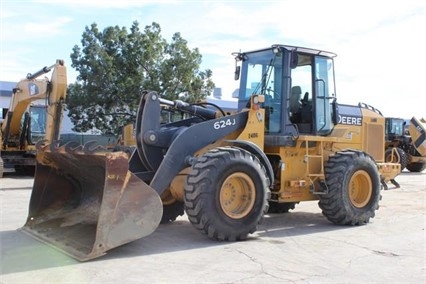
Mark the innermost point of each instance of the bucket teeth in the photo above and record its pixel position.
(54, 146)
(92, 147)
(42, 144)
(71, 147)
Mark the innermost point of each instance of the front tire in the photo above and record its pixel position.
(353, 188)
(226, 194)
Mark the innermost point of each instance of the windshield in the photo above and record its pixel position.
(38, 123)
(261, 68)
(395, 126)
(262, 74)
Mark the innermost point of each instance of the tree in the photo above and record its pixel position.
(115, 66)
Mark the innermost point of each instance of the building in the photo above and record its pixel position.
(6, 89)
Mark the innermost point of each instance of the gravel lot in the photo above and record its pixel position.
(301, 246)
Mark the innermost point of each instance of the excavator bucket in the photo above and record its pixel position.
(85, 201)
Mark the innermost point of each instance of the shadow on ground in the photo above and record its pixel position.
(22, 253)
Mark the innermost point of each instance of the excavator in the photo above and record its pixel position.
(35, 114)
(225, 171)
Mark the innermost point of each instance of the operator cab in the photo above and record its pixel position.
(299, 89)
(37, 125)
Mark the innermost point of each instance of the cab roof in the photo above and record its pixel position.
(299, 49)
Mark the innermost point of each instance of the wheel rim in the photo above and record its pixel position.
(237, 195)
(360, 189)
(391, 157)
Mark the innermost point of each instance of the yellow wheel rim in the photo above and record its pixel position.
(237, 195)
(391, 158)
(360, 189)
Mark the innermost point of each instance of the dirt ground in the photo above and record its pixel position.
(301, 247)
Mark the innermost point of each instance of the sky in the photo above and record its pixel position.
(380, 45)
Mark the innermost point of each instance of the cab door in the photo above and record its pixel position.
(324, 95)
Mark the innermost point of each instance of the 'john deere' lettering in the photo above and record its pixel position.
(350, 120)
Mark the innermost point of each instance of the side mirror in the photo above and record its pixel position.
(237, 73)
(294, 60)
(335, 117)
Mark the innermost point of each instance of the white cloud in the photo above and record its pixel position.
(50, 27)
(104, 4)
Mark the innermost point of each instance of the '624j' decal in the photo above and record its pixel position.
(224, 123)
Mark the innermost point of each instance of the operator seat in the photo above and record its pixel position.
(295, 104)
(295, 97)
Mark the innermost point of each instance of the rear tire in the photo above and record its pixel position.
(353, 188)
(416, 167)
(226, 194)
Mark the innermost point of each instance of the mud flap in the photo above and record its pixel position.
(85, 202)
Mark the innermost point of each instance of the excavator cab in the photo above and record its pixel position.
(37, 124)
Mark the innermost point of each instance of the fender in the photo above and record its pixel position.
(255, 150)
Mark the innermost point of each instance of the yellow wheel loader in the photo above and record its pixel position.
(35, 113)
(289, 141)
(406, 144)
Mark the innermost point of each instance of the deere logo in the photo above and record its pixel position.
(350, 120)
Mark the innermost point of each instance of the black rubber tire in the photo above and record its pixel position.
(210, 191)
(172, 211)
(275, 207)
(353, 188)
(403, 161)
(416, 167)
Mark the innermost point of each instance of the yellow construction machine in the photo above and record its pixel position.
(406, 143)
(225, 171)
(35, 114)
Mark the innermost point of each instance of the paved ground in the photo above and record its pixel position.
(301, 247)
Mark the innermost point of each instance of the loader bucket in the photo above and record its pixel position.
(417, 131)
(85, 202)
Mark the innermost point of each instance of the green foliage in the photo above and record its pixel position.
(115, 66)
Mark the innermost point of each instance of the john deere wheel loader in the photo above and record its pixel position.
(224, 171)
